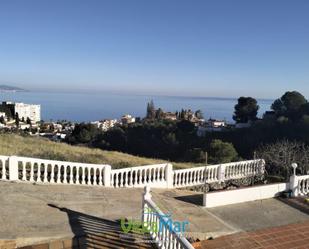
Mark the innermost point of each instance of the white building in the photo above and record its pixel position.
(105, 124)
(127, 119)
(25, 110)
(214, 123)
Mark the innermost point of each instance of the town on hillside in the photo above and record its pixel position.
(15, 116)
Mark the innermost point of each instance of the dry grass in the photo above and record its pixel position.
(11, 144)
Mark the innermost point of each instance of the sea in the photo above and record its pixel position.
(85, 107)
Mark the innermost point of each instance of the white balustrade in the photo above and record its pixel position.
(158, 175)
(217, 173)
(243, 169)
(165, 234)
(303, 185)
(4, 169)
(152, 175)
(58, 172)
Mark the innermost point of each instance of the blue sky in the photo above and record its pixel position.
(193, 48)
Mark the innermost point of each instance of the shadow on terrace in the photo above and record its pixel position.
(94, 232)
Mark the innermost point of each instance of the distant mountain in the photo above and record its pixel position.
(6, 88)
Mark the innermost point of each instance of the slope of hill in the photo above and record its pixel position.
(12, 144)
(6, 88)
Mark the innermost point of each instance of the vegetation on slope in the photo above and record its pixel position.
(12, 144)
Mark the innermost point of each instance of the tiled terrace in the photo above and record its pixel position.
(293, 236)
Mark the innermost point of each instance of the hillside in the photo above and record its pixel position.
(7, 88)
(12, 144)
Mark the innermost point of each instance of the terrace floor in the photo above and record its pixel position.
(293, 236)
(33, 213)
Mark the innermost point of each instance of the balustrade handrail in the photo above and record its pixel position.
(139, 167)
(303, 177)
(196, 168)
(185, 244)
(58, 162)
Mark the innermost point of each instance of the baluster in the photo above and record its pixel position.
(58, 173)
(128, 177)
(162, 234)
(128, 182)
(165, 242)
(176, 175)
(112, 178)
(31, 173)
(65, 174)
(121, 179)
(40, 175)
(149, 176)
(174, 242)
(140, 177)
(45, 172)
(144, 178)
(133, 177)
(52, 173)
(163, 173)
(98, 177)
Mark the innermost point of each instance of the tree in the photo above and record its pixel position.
(199, 114)
(185, 126)
(2, 121)
(151, 111)
(17, 120)
(290, 105)
(28, 121)
(182, 114)
(245, 110)
(221, 152)
(83, 133)
(280, 155)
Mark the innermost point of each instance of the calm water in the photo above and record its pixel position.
(90, 107)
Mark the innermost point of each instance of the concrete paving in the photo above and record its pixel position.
(34, 213)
